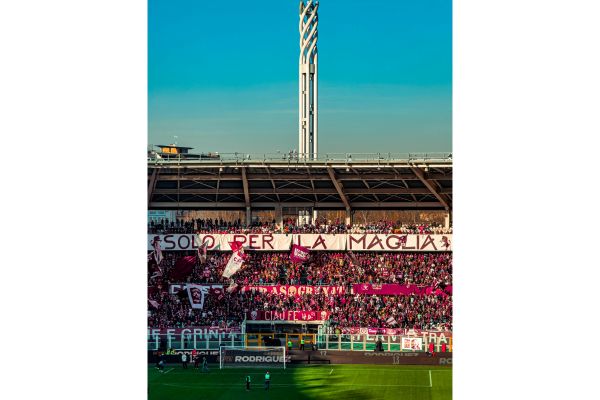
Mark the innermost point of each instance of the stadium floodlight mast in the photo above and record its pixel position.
(308, 118)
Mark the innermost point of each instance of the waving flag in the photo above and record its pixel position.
(202, 250)
(299, 254)
(183, 267)
(153, 267)
(234, 264)
(232, 287)
(196, 294)
(158, 257)
(391, 321)
(154, 303)
(217, 292)
(236, 246)
(353, 260)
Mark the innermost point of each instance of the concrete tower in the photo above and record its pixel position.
(307, 80)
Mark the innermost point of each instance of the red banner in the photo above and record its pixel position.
(287, 315)
(291, 290)
(395, 289)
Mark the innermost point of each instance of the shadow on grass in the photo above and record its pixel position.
(295, 383)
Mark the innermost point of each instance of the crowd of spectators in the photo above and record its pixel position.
(348, 310)
(291, 226)
(323, 268)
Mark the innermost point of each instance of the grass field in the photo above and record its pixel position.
(340, 382)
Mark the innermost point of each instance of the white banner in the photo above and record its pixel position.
(321, 242)
(315, 242)
(255, 241)
(177, 287)
(397, 242)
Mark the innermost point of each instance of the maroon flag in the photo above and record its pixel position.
(299, 254)
(183, 268)
(217, 292)
(154, 303)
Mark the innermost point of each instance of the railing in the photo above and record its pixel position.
(198, 342)
(364, 342)
(354, 342)
(294, 157)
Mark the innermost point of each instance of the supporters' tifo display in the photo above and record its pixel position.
(344, 289)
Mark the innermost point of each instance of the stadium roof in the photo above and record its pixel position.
(341, 181)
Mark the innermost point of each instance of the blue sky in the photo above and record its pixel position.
(223, 75)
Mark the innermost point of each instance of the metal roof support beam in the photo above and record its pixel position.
(340, 190)
(431, 185)
(246, 197)
(152, 184)
(364, 181)
(282, 191)
(273, 184)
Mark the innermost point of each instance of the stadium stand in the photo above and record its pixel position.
(422, 311)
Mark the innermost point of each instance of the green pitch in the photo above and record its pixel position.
(339, 382)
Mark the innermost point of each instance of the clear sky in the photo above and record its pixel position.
(223, 75)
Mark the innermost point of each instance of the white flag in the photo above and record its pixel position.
(157, 250)
(202, 247)
(232, 287)
(234, 264)
(391, 321)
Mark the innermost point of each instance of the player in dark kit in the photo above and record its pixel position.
(161, 363)
(248, 382)
(267, 380)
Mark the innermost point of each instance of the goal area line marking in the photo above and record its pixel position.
(430, 381)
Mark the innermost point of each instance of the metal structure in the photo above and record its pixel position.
(351, 182)
(308, 118)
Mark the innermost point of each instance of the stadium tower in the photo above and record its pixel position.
(308, 115)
